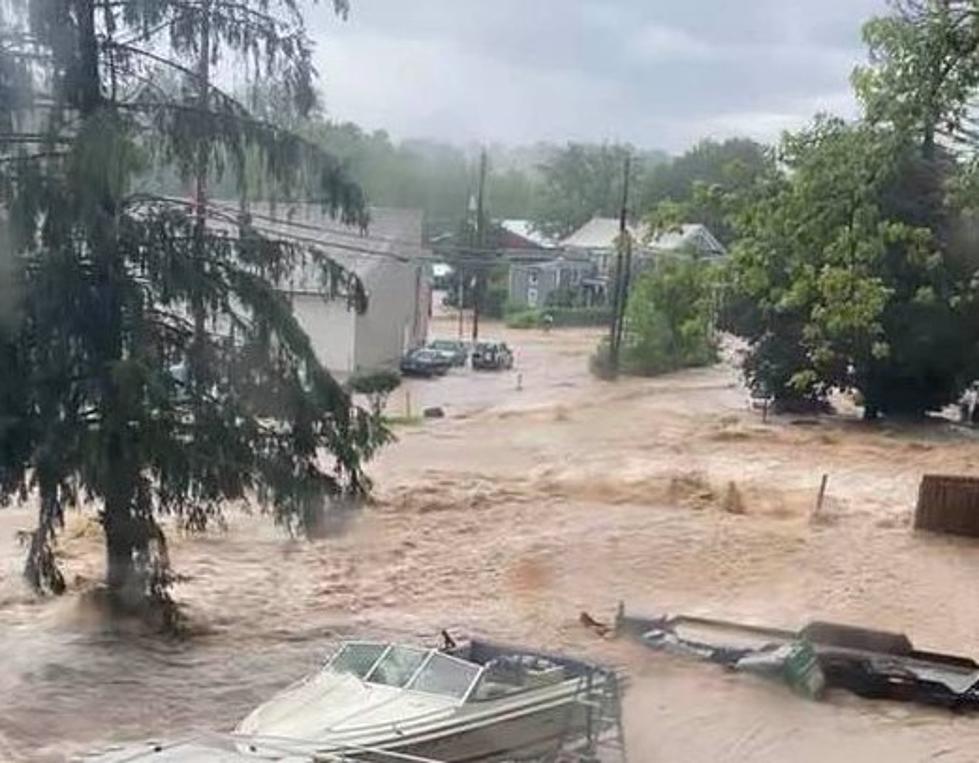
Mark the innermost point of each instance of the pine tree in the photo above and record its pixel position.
(150, 365)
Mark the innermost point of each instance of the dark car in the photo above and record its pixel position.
(424, 362)
(492, 356)
(453, 350)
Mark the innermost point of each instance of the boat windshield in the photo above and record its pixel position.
(357, 658)
(397, 666)
(445, 675)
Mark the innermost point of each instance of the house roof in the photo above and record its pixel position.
(689, 236)
(597, 233)
(525, 229)
(558, 263)
(602, 233)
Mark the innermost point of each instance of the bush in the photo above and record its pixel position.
(524, 319)
(494, 301)
(668, 322)
(560, 316)
(564, 297)
(599, 363)
(376, 386)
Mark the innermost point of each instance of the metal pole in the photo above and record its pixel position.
(480, 241)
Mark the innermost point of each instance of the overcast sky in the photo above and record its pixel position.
(657, 73)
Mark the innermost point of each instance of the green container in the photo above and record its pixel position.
(801, 670)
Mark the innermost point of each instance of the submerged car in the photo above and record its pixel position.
(473, 702)
(492, 356)
(423, 362)
(453, 350)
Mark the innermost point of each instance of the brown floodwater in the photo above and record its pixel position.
(521, 508)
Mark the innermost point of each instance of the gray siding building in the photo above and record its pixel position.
(532, 283)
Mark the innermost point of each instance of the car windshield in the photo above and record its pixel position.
(441, 344)
(423, 355)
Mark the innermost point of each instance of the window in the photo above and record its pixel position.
(397, 666)
(532, 296)
(357, 658)
(445, 675)
(533, 277)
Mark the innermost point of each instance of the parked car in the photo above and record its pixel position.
(492, 356)
(456, 351)
(424, 362)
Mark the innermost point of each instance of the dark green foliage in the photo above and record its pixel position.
(494, 300)
(842, 278)
(377, 387)
(669, 318)
(564, 297)
(704, 185)
(148, 343)
(560, 316)
(579, 182)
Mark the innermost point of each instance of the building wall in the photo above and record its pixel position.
(523, 287)
(331, 327)
(391, 325)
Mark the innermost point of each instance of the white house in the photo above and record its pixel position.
(390, 262)
(597, 239)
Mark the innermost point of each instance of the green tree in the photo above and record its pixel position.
(839, 279)
(923, 71)
(704, 185)
(579, 182)
(669, 318)
(149, 342)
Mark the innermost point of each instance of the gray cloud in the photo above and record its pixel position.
(658, 74)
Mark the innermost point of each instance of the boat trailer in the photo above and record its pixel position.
(870, 663)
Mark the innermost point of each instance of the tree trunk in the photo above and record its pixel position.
(121, 575)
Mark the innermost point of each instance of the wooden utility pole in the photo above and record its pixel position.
(461, 292)
(623, 263)
(480, 244)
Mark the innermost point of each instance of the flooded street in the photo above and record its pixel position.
(536, 498)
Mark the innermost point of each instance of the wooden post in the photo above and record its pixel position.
(822, 495)
(407, 404)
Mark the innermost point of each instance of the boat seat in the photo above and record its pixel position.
(507, 675)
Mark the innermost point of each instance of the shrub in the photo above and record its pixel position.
(376, 386)
(560, 316)
(580, 316)
(524, 319)
(494, 301)
(668, 322)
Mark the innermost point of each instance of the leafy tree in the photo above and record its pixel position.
(579, 182)
(149, 338)
(669, 318)
(840, 281)
(704, 185)
(923, 70)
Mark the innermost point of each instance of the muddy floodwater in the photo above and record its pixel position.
(542, 493)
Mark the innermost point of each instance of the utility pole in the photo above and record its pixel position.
(480, 244)
(623, 264)
(461, 291)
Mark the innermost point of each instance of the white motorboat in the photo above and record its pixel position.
(475, 702)
(397, 703)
